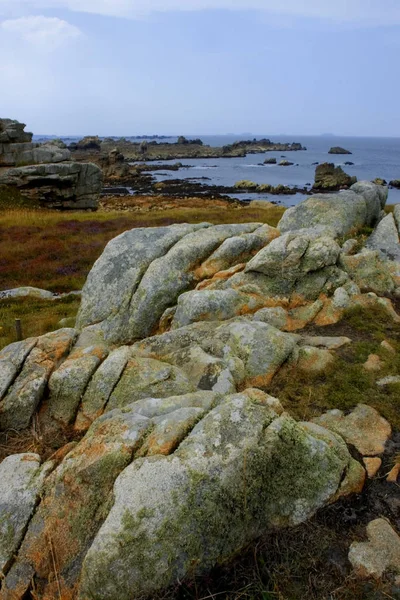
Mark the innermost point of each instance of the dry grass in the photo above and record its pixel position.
(56, 251)
(37, 316)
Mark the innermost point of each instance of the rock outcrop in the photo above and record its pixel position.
(44, 173)
(181, 458)
(17, 148)
(64, 185)
(331, 178)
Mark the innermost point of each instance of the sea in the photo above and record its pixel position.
(372, 157)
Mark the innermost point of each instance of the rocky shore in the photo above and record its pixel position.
(177, 456)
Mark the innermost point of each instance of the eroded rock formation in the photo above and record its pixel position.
(184, 459)
(44, 173)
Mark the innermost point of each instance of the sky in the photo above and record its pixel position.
(198, 67)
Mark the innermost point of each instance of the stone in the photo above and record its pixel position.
(337, 214)
(211, 305)
(385, 239)
(388, 347)
(89, 142)
(285, 163)
(25, 394)
(314, 360)
(144, 377)
(330, 343)
(379, 554)
(12, 359)
(145, 271)
(390, 380)
(26, 292)
(101, 386)
(270, 161)
(394, 474)
(221, 506)
(339, 150)
(369, 272)
(373, 363)
(115, 277)
(12, 131)
(349, 246)
(253, 351)
(372, 466)
(68, 383)
(64, 185)
(331, 178)
(275, 316)
(20, 486)
(236, 250)
(363, 428)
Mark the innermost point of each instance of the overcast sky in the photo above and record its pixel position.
(126, 67)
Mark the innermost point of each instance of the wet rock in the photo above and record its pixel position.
(270, 161)
(379, 554)
(363, 428)
(331, 178)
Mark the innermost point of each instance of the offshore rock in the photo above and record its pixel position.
(331, 178)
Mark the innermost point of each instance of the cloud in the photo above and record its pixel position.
(45, 32)
(361, 12)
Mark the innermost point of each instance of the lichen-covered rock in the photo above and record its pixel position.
(11, 361)
(363, 428)
(20, 403)
(68, 383)
(205, 500)
(115, 276)
(236, 250)
(331, 178)
(21, 481)
(337, 213)
(101, 386)
(385, 238)
(379, 554)
(144, 377)
(314, 360)
(142, 273)
(369, 271)
(253, 351)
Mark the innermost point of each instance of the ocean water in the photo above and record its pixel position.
(372, 157)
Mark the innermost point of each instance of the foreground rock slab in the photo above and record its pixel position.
(363, 428)
(379, 554)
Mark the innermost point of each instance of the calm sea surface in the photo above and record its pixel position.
(372, 157)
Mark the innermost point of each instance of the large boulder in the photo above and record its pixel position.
(338, 214)
(331, 178)
(165, 489)
(65, 185)
(385, 238)
(142, 272)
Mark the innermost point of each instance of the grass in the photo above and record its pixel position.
(55, 250)
(37, 316)
(346, 383)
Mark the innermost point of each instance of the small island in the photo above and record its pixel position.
(339, 150)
